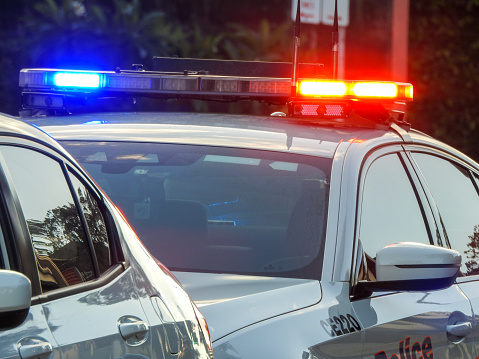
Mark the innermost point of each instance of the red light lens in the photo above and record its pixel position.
(323, 88)
(375, 89)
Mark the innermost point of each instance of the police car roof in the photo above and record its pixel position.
(13, 126)
(246, 131)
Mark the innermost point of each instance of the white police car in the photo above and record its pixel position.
(75, 281)
(335, 231)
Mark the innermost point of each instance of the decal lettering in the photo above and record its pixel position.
(416, 351)
(340, 325)
(353, 321)
(327, 328)
(407, 351)
(427, 348)
(334, 327)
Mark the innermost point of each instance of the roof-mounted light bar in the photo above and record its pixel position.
(54, 89)
(161, 83)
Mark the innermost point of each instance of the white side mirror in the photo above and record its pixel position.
(412, 267)
(406, 261)
(15, 294)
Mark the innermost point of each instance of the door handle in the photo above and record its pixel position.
(34, 348)
(460, 329)
(137, 329)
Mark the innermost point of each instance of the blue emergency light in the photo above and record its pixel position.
(76, 79)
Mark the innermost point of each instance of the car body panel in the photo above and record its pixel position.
(34, 328)
(246, 300)
(217, 130)
(417, 317)
(96, 329)
(305, 332)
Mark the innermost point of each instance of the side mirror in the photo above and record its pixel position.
(413, 267)
(16, 294)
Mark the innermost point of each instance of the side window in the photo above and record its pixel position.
(3, 251)
(390, 211)
(58, 236)
(458, 204)
(95, 223)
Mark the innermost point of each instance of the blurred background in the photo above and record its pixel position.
(434, 44)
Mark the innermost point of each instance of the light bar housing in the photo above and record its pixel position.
(56, 89)
(154, 84)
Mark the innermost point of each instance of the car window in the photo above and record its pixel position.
(3, 250)
(217, 209)
(58, 236)
(458, 204)
(390, 211)
(95, 223)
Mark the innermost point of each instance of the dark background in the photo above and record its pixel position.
(105, 34)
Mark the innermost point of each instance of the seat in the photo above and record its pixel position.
(306, 221)
(178, 234)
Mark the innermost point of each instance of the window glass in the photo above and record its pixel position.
(390, 211)
(95, 222)
(201, 208)
(58, 237)
(458, 204)
(3, 251)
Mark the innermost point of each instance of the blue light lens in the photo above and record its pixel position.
(76, 79)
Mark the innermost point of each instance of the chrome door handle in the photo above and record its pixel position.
(460, 329)
(137, 329)
(34, 348)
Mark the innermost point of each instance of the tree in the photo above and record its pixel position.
(444, 67)
(472, 253)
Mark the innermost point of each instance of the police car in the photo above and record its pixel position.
(75, 281)
(330, 230)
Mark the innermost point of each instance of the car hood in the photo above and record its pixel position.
(230, 302)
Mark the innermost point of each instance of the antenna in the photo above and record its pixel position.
(334, 59)
(297, 41)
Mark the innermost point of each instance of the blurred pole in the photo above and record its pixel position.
(297, 42)
(400, 32)
(341, 52)
(335, 43)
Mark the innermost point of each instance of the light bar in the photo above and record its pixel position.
(154, 83)
(356, 89)
(207, 85)
(63, 90)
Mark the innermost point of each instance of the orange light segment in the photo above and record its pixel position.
(375, 89)
(408, 92)
(323, 88)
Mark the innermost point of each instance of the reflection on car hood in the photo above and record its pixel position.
(230, 302)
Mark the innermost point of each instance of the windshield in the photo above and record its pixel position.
(215, 209)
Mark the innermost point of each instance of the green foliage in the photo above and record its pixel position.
(68, 31)
(444, 48)
(267, 43)
(104, 34)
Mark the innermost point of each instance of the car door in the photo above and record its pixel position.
(392, 208)
(454, 185)
(88, 299)
(20, 337)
